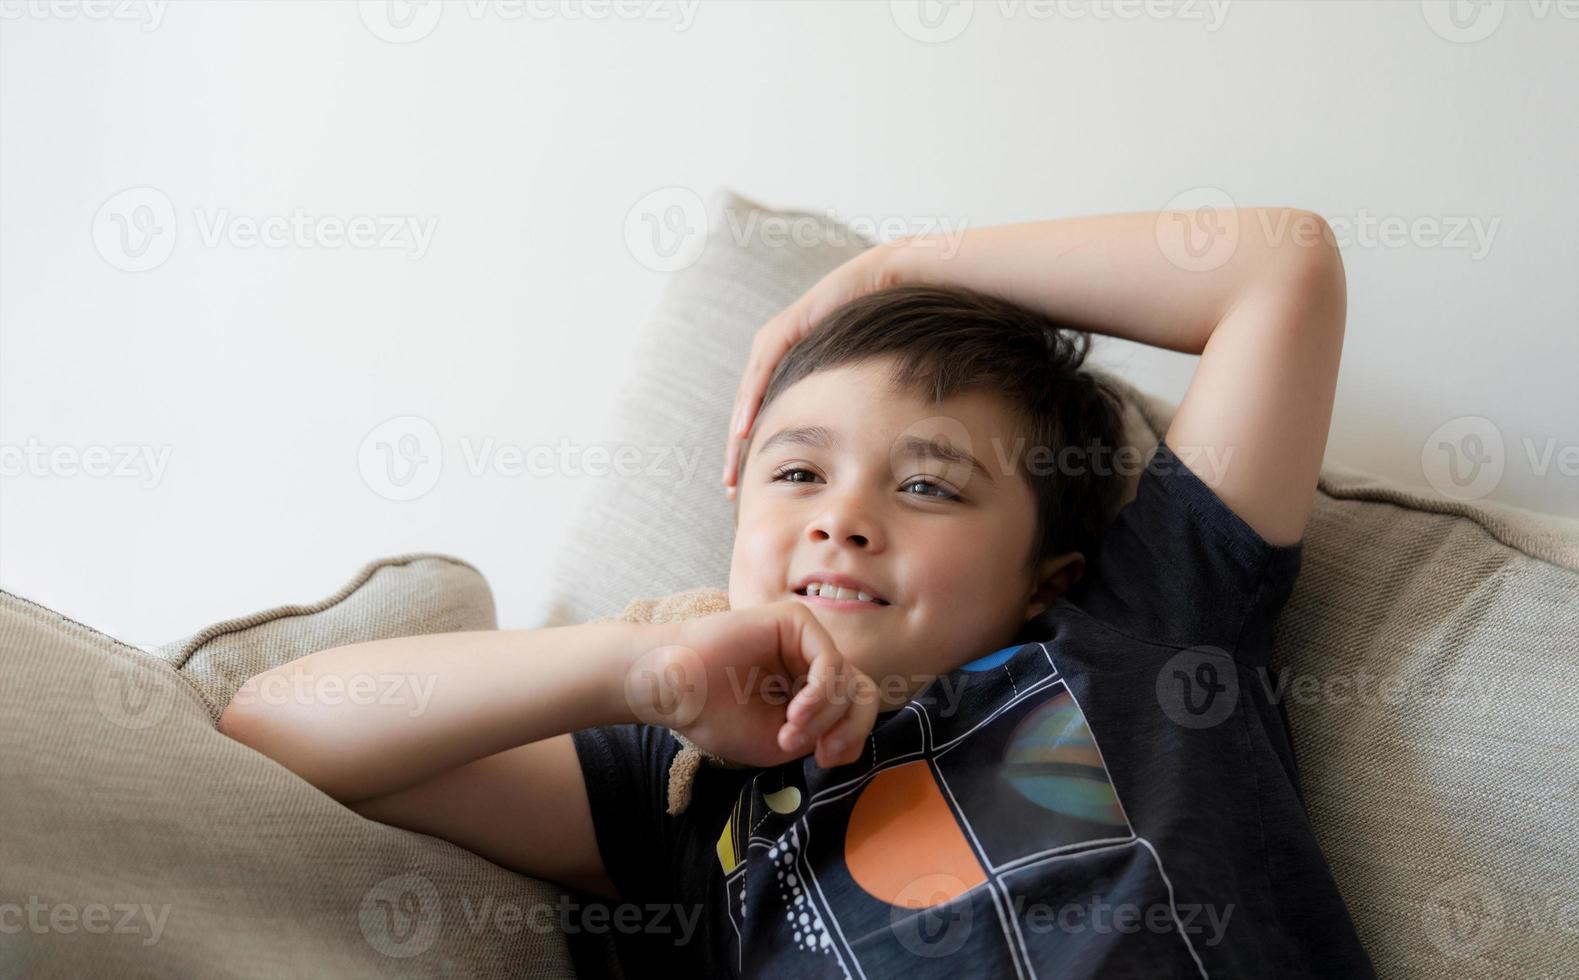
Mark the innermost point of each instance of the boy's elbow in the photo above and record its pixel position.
(232, 722)
(1318, 244)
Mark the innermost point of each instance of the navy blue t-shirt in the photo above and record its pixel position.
(1114, 794)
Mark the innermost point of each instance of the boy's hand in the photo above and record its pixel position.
(761, 686)
(867, 272)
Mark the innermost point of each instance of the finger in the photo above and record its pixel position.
(817, 693)
(830, 706)
(843, 742)
(806, 650)
(813, 710)
(737, 429)
(797, 733)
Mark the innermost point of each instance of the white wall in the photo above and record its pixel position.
(528, 140)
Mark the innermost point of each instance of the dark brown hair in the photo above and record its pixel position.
(949, 339)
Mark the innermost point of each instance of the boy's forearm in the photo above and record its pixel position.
(1160, 278)
(365, 719)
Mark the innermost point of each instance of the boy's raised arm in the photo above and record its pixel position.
(1259, 293)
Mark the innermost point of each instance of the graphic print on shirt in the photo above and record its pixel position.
(942, 841)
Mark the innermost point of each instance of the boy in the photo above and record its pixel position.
(1041, 738)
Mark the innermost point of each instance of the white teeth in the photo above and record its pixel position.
(830, 591)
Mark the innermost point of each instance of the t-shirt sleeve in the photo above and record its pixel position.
(1178, 566)
(625, 768)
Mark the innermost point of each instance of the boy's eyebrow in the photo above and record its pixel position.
(916, 447)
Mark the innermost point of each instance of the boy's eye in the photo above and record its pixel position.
(944, 493)
(783, 475)
(931, 488)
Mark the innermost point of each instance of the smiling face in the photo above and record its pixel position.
(839, 481)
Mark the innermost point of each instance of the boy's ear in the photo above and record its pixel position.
(1054, 577)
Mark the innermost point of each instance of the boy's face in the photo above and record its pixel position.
(870, 506)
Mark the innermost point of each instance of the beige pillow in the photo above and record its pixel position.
(136, 840)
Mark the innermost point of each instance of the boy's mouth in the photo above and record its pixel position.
(838, 597)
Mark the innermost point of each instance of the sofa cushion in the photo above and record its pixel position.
(1429, 653)
(136, 840)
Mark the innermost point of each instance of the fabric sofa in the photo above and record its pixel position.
(1429, 657)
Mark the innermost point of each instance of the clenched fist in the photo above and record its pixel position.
(759, 686)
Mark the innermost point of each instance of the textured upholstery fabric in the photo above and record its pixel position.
(136, 840)
(1430, 650)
